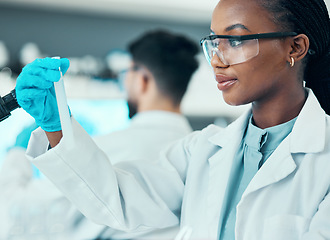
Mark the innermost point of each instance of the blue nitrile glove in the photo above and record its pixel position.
(23, 137)
(35, 91)
(22, 141)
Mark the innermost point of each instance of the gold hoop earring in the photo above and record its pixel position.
(292, 62)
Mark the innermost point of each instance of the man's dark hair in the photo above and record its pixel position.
(171, 58)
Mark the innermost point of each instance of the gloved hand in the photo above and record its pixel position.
(35, 91)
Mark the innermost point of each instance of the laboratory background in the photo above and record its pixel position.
(94, 35)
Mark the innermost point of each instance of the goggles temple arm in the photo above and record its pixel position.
(251, 36)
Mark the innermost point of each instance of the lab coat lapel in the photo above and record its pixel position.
(311, 123)
(220, 165)
(277, 167)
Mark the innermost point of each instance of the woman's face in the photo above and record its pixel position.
(262, 78)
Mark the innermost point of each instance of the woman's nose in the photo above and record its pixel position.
(217, 62)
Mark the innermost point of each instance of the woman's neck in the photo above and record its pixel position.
(281, 110)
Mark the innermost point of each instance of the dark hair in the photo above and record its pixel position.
(169, 57)
(309, 17)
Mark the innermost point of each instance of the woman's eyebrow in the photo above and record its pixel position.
(238, 25)
(234, 26)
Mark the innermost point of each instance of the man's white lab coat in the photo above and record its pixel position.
(288, 198)
(148, 133)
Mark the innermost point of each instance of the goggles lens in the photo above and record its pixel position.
(230, 51)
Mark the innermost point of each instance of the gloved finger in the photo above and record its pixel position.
(44, 63)
(53, 63)
(49, 75)
(47, 63)
(27, 97)
(27, 81)
(65, 64)
(50, 118)
(42, 106)
(49, 106)
(39, 97)
(47, 68)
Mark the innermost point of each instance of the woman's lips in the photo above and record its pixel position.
(225, 82)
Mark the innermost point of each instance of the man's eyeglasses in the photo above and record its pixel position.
(235, 49)
(122, 75)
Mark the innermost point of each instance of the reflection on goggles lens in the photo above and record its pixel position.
(230, 51)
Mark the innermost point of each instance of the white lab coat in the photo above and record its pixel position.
(288, 198)
(21, 193)
(149, 132)
(32, 208)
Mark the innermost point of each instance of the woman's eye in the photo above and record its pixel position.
(216, 42)
(235, 43)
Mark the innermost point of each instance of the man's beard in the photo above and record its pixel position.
(132, 108)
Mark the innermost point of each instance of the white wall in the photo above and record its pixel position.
(182, 10)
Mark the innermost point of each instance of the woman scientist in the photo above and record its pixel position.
(265, 176)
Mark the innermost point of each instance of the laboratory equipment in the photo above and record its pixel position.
(8, 103)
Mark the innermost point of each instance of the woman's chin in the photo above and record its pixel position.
(233, 101)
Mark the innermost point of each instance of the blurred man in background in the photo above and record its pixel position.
(156, 81)
(161, 68)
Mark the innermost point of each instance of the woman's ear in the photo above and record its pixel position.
(299, 48)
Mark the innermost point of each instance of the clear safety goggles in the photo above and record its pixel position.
(235, 49)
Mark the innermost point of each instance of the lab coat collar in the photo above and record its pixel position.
(232, 132)
(277, 167)
(311, 124)
(160, 118)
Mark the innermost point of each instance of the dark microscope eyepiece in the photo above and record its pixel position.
(8, 103)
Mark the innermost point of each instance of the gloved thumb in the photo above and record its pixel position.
(65, 63)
